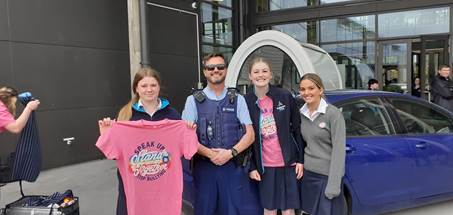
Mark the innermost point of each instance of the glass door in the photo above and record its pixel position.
(394, 65)
(434, 53)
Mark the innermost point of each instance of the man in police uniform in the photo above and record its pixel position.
(224, 130)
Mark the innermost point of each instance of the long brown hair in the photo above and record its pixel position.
(6, 96)
(125, 113)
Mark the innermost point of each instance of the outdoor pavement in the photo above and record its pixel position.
(95, 184)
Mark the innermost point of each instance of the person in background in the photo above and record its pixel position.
(8, 99)
(144, 105)
(416, 89)
(277, 155)
(442, 88)
(373, 84)
(323, 129)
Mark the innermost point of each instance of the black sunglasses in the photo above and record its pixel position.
(211, 67)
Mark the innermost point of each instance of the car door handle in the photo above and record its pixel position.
(421, 145)
(349, 148)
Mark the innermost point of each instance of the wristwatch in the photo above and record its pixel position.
(234, 152)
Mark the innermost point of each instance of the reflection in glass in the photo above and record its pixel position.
(284, 4)
(355, 61)
(421, 119)
(284, 71)
(216, 24)
(345, 29)
(417, 22)
(261, 6)
(395, 67)
(303, 31)
(366, 117)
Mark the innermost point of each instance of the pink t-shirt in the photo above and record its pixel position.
(148, 155)
(5, 117)
(272, 152)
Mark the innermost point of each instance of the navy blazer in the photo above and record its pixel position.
(287, 119)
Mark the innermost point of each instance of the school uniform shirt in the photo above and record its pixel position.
(5, 117)
(148, 155)
(272, 153)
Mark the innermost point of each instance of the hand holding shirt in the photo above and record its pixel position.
(148, 155)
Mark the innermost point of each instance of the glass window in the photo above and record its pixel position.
(332, 1)
(355, 61)
(395, 67)
(284, 71)
(261, 6)
(345, 29)
(226, 3)
(366, 117)
(284, 4)
(421, 119)
(226, 51)
(303, 31)
(417, 22)
(216, 24)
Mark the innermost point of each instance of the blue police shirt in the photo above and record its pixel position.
(190, 109)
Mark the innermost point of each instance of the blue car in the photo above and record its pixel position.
(399, 152)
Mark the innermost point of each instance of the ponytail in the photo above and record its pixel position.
(125, 113)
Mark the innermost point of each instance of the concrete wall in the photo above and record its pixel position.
(74, 57)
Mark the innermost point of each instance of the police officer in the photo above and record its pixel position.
(224, 130)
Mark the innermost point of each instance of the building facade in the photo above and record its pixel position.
(393, 41)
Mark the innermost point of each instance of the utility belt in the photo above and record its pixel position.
(241, 160)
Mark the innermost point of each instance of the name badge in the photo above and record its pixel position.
(225, 109)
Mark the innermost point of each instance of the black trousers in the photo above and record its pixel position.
(121, 207)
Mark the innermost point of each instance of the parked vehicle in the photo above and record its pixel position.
(399, 151)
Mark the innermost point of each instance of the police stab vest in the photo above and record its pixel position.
(217, 124)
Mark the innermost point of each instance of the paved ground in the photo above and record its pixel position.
(95, 183)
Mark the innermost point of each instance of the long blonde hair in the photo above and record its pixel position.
(6, 96)
(125, 113)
